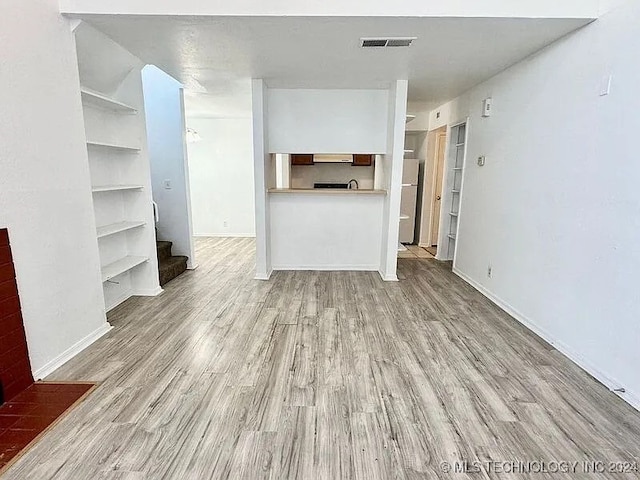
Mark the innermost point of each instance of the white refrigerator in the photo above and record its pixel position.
(408, 202)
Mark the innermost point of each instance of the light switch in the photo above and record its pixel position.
(167, 184)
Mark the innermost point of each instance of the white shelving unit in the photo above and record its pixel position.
(111, 146)
(114, 188)
(117, 227)
(457, 154)
(114, 117)
(121, 266)
(98, 100)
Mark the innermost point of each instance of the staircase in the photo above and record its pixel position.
(168, 265)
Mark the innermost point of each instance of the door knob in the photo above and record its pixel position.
(438, 197)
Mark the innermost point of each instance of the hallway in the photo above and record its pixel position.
(323, 375)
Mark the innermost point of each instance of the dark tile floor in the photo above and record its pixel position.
(30, 412)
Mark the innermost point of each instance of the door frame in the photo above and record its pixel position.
(446, 189)
(434, 181)
(428, 179)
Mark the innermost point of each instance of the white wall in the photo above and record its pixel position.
(221, 167)
(433, 8)
(555, 211)
(45, 197)
(164, 108)
(327, 121)
(316, 231)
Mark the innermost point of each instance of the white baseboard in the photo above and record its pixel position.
(388, 278)
(349, 268)
(263, 275)
(226, 235)
(192, 266)
(154, 292)
(71, 352)
(611, 383)
(122, 298)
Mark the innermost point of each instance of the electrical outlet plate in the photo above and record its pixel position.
(481, 161)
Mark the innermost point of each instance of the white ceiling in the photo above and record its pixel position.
(219, 54)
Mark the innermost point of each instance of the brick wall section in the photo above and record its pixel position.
(15, 369)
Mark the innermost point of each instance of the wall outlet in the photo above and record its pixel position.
(489, 271)
(225, 224)
(481, 161)
(167, 184)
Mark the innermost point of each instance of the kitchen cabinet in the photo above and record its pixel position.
(301, 159)
(360, 160)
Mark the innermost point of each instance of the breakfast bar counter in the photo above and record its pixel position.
(328, 191)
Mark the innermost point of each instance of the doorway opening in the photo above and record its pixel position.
(434, 168)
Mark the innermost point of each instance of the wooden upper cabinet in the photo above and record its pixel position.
(360, 160)
(301, 159)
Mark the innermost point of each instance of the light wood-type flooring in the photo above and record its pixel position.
(324, 375)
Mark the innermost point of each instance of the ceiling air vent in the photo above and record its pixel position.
(386, 42)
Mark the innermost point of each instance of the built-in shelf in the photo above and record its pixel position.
(114, 228)
(404, 217)
(115, 188)
(455, 191)
(96, 99)
(120, 266)
(457, 168)
(453, 214)
(112, 146)
(460, 144)
(451, 236)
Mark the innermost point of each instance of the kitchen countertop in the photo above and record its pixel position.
(328, 191)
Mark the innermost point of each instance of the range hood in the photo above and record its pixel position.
(333, 158)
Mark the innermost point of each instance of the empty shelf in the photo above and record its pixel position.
(120, 266)
(457, 168)
(95, 99)
(453, 214)
(107, 230)
(404, 217)
(455, 191)
(115, 188)
(112, 146)
(451, 236)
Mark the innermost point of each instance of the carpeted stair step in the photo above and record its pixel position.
(171, 267)
(164, 250)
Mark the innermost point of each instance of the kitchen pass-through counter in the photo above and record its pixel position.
(328, 191)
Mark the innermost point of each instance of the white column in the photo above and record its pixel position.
(393, 172)
(260, 160)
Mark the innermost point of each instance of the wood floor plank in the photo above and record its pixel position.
(324, 375)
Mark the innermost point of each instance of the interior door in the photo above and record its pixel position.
(441, 141)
